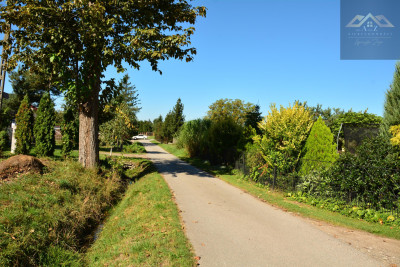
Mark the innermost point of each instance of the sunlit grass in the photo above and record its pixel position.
(143, 229)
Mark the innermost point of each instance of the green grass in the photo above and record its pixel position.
(143, 229)
(135, 147)
(46, 219)
(171, 148)
(278, 198)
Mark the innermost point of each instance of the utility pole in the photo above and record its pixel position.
(3, 70)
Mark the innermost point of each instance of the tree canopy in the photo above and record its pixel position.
(73, 43)
(236, 109)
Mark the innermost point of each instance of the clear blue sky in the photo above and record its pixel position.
(264, 51)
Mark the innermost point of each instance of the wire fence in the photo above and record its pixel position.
(367, 186)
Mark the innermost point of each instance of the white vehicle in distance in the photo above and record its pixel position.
(139, 136)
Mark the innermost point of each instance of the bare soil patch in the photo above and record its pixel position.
(19, 164)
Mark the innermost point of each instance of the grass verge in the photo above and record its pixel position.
(278, 198)
(143, 229)
(45, 219)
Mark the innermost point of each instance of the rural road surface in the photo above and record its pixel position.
(228, 227)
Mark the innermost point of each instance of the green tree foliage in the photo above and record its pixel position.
(395, 139)
(236, 109)
(114, 95)
(26, 82)
(224, 141)
(355, 118)
(3, 141)
(284, 132)
(115, 131)
(253, 117)
(328, 115)
(119, 112)
(144, 126)
(23, 133)
(76, 41)
(172, 123)
(320, 150)
(9, 110)
(391, 114)
(158, 128)
(69, 129)
(179, 118)
(168, 128)
(59, 117)
(44, 127)
(194, 137)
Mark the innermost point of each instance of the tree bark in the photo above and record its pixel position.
(89, 129)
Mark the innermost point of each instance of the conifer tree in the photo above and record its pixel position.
(24, 133)
(319, 149)
(44, 127)
(179, 118)
(391, 114)
(69, 130)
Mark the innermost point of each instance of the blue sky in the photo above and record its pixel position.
(264, 51)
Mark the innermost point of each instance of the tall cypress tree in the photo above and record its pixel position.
(179, 118)
(44, 127)
(319, 149)
(23, 133)
(391, 114)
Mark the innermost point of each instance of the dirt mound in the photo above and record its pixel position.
(18, 165)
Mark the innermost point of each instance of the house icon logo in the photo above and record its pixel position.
(359, 21)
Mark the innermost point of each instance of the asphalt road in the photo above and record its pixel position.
(228, 227)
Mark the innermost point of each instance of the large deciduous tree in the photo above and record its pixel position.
(235, 109)
(75, 41)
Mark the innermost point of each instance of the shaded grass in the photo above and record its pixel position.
(45, 219)
(278, 199)
(143, 230)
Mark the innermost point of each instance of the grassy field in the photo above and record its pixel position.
(278, 198)
(143, 229)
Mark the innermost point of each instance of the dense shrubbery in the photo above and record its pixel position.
(134, 148)
(194, 137)
(344, 208)
(224, 141)
(217, 141)
(371, 177)
(284, 133)
(44, 219)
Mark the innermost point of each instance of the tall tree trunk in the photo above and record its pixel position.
(89, 128)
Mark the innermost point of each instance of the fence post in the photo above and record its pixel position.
(274, 181)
